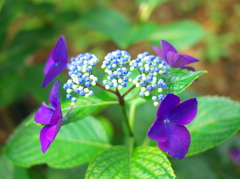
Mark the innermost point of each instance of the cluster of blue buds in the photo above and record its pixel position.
(81, 77)
(150, 68)
(118, 75)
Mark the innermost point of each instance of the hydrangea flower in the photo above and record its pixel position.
(81, 76)
(56, 62)
(175, 60)
(51, 118)
(169, 130)
(118, 75)
(151, 69)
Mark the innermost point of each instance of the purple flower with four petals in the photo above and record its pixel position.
(175, 60)
(57, 61)
(168, 129)
(52, 118)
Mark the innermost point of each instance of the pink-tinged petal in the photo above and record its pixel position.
(168, 103)
(158, 131)
(53, 72)
(57, 115)
(172, 59)
(178, 141)
(167, 47)
(54, 96)
(60, 52)
(190, 59)
(185, 112)
(158, 51)
(43, 114)
(49, 63)
(48, 134)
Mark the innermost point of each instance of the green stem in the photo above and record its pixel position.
(131, 115)
(125, 118)
(146, 141)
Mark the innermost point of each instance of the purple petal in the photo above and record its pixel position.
(59, 57)
(158, 51)
(184, 60)
(57, 115)
(178, 141)
(167, 47)
(53, 72)
(173, 60)
(184, 113)
(54, 96)
(190, 59)
(43, 114)
(60, 52)
(48, 134)
(168, 103)
(158, 131)
(163, 146)
(49, 63)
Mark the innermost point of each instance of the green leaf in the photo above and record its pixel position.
(116, 162)
(75, 144)
(109, 22)
(179, 79)
(218, 119)
(83, 108)
(10, 171)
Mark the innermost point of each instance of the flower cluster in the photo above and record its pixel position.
(118, 75)
(168, 129)
(150, 68)
(81, 77)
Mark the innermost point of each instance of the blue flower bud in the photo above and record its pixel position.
(69, 96)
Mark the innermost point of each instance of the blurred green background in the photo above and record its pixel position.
(207, 30)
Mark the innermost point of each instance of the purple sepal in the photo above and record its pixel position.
(44, 114)
(169, 103)
(178, 141)
(54, 97)
(158, 131)
(57, 61)
(49, 63)
(51, 117)
(48, 134)
(185, 112)
(175, 60)
(168, 129)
